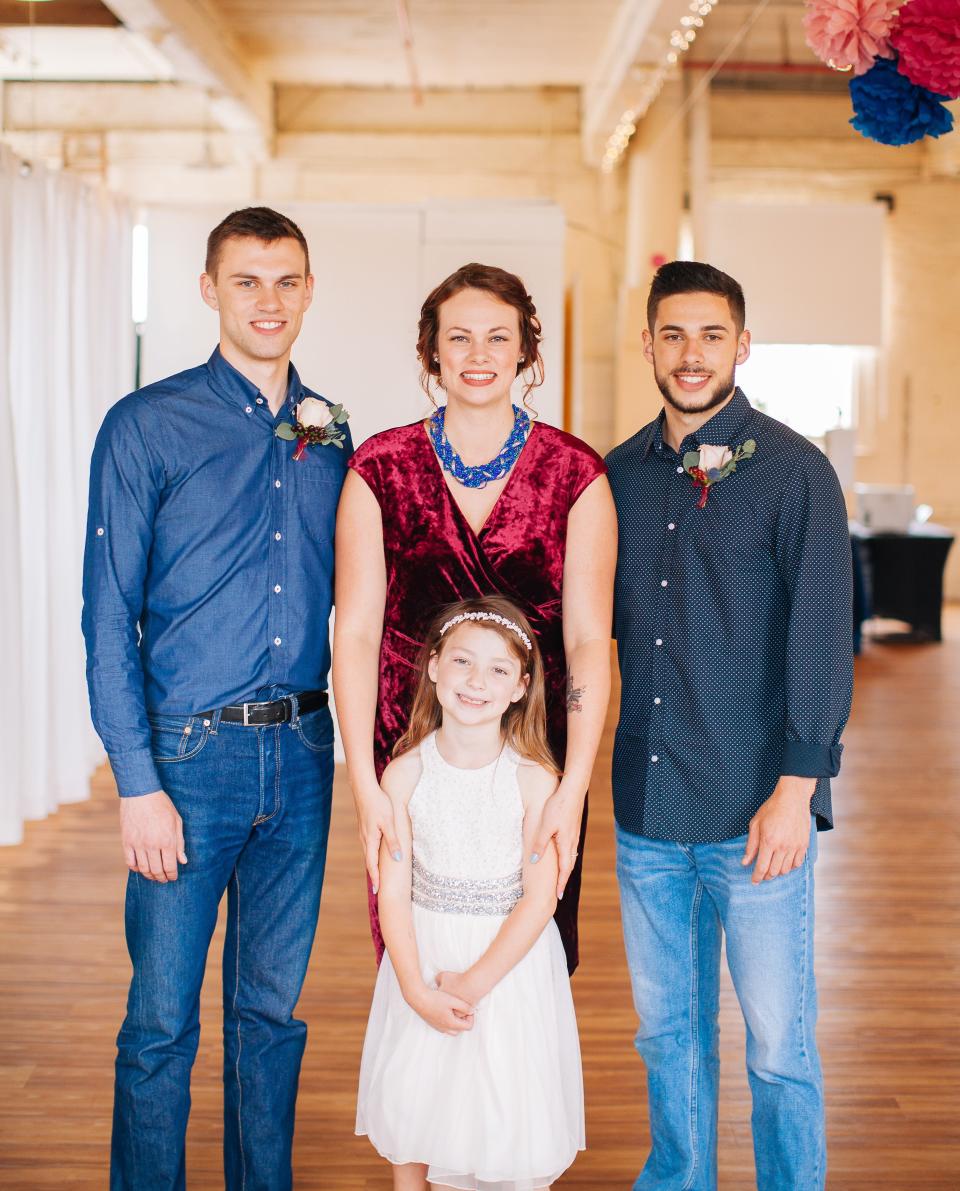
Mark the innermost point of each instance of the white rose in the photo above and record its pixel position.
(313, 412)
(714, 458)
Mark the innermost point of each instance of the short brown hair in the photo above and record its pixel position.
(695, 277)
(259, 223)
(524, 724)
(498, 283)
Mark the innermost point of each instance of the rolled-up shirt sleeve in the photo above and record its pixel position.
(813, 553)
(126, 479)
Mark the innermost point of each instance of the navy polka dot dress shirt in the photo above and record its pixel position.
(733, 625)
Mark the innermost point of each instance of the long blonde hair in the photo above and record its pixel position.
(524, 723)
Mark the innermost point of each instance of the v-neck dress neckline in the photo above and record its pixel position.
(442, 477)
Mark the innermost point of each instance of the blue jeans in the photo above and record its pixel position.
(255, 804)
(676, 900)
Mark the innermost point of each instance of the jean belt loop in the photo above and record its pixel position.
(215, 722)
(294, 710)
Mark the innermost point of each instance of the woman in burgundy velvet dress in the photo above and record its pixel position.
(477, 499)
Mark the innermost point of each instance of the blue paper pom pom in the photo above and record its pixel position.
(890, 109)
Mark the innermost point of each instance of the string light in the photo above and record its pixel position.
(680, 40)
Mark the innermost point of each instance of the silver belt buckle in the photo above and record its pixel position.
(246, 714)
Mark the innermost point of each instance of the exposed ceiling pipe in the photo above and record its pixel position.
(406, 36)
(765, 67)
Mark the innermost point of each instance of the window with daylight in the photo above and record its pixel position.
(812, 387)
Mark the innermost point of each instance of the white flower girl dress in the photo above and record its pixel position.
(498, 1107)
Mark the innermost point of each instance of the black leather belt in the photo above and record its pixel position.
(279, 711)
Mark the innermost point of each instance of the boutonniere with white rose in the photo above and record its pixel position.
(316, 424)
(710, 465)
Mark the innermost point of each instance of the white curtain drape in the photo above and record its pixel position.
(66, 354)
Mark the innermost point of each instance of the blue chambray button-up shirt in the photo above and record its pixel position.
(733, 625)
(208, 572)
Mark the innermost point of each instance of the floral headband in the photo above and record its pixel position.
(497, 619)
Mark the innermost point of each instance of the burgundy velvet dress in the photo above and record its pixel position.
(433, 557)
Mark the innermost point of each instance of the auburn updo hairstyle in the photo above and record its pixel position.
(505, 287)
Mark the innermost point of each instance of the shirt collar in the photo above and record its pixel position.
(726, 425)
(237, 387)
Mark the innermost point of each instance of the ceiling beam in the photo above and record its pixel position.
(77, 13)
(204, 52)
(603, 96)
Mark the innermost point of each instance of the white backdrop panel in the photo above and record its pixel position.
(374, 265)
(811, 273)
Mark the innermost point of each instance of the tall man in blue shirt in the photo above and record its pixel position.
(734, 629)
(207, 591)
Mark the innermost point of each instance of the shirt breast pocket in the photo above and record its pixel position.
(318, 493)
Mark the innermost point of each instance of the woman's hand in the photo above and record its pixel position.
(441, 1009)
(562, 816)
(376, 821)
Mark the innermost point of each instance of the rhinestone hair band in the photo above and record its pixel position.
(497, 619)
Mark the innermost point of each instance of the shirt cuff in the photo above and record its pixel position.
(135, 773)
(810, 760)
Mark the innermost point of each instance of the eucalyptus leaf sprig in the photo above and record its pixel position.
(316, 425)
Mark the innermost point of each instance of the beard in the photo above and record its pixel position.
(707, 399)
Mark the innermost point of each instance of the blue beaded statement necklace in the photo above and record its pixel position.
(483, 473)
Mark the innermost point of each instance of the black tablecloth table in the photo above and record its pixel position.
(903, 573)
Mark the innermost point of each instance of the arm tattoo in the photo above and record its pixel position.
(574, 694)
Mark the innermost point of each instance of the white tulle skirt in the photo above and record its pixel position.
(497, 1108)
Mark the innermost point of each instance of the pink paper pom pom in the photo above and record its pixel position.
(850, 33)
(927, 37)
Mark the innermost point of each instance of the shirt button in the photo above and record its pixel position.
(259, 401)
(679, 471)
(276, 483)
(671, 526)
(657, 700)
(277, 537)
(248, 410)
(276, 640)
(659, 640)
(277, 589)
(663, 583)
(100, 532)
(654, 758)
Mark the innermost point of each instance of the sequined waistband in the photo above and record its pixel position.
(455, 895)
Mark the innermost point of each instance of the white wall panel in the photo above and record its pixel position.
(374, 265)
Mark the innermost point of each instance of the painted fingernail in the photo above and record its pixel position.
(376, 890)
(398, 855)
(560, 897)
(534, 857)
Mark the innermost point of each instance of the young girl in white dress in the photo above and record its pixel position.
(471, 1076)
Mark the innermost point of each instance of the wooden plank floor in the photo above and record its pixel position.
(887, 937)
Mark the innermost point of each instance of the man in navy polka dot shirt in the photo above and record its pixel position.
(734, 630)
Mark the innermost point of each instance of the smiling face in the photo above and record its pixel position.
(478, 343)
(694, 348)
(261, 293)
(477, 674)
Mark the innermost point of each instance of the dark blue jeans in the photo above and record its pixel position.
(255, 804)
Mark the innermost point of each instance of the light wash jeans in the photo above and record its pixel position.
(255, 804)
(676, 901)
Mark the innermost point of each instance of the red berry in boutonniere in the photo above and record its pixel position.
(711, 464)
(316, 424)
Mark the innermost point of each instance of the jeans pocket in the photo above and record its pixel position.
(176, 738)
(316, 730)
